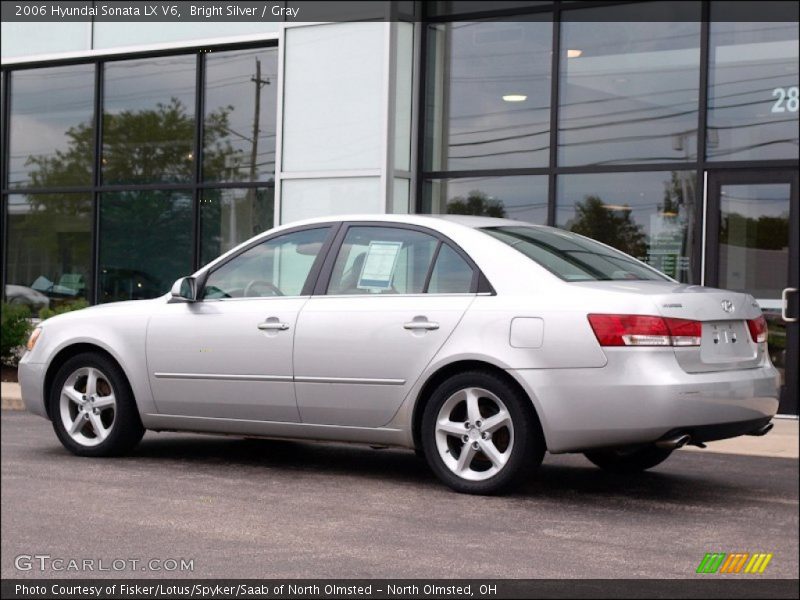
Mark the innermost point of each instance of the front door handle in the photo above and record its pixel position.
(273, 324)
(785, 305)
(421, 325)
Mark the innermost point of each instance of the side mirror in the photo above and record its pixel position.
(184, 290)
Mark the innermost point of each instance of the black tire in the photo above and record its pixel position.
(526, 450)
(628, 460)
(126, 428)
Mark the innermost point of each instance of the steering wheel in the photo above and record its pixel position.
(256, 283)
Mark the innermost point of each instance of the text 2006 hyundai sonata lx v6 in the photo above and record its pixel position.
(479, 342)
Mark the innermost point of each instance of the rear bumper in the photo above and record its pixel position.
(642, 395)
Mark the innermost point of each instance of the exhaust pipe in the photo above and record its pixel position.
(675, 442)
(763, 430)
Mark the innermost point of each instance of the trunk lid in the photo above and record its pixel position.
(726, 343)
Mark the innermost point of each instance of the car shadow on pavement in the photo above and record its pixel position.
(563, 478)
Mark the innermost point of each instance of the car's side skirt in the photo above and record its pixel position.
(307, 431)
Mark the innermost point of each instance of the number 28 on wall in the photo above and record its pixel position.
(786, 99)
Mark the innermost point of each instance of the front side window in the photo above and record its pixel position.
(277, 267)
(572, 257)
(382, 260)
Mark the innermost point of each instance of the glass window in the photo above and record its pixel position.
(520, 197)
(51, 127)
(451, 274)
(649, 215)
(382, 260)
(572, 257)
(754, 238)
(450, 7)
(753, 90)
(277, 267)
(229, 217)
(49, 249)
(145, 243)
(629, 90)
(240, 111)
(333, 79)
(488, 95)
(148, 120)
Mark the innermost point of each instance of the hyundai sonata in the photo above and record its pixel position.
(481, 343)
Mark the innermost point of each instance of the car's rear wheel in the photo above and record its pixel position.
(92, 408)
(480, 435)
(629, 460)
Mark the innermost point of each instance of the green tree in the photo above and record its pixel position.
(613, 227)
(139, 146)
(476, 203)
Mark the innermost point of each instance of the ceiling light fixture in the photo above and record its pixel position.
(515, 98)
(574, 53)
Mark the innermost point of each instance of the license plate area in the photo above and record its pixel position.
(726, 341)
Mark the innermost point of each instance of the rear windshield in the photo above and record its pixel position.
(573, 257)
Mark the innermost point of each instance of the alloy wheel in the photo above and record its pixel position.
(88, 406)
(474, 434)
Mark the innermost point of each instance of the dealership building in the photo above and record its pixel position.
(134, 153)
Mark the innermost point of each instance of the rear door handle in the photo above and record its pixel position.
(423, 325)
(273, 324)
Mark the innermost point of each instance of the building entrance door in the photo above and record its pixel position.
(752, 223)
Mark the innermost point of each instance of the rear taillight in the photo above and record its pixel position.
(644, 330)
(758, 329)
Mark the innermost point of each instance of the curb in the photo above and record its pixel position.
(11, 396)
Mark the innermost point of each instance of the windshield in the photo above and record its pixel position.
(573, 257)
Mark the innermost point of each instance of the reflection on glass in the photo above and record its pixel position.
(521, 197)
(648, 215)
(148, 120)
(240, 111)
(229, 217)
(754, 238)
(51, 127)
(753, 90)
(145, 243)
(277, 267)
(49, 249)
(488, 95)
(629, 91)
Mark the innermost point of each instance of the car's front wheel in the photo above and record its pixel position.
(480, 434)
(629, 460)
(92, 408)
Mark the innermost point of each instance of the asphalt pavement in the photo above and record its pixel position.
(273, 509)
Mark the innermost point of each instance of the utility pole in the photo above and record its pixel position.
(256, 117)
(251, 192)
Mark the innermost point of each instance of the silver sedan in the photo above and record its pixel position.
(480, 343)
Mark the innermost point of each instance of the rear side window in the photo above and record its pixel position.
(572, 257)
(392, 260)
(382, 260)
(451, 274)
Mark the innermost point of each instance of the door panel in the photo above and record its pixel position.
(229, 355)
(211, 359)
(357, 357)
(752, 235)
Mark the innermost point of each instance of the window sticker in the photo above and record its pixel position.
(378, 269)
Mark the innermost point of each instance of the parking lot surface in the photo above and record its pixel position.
(272, 509)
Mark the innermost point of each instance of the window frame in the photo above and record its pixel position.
(479, 284)
(311, 278)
